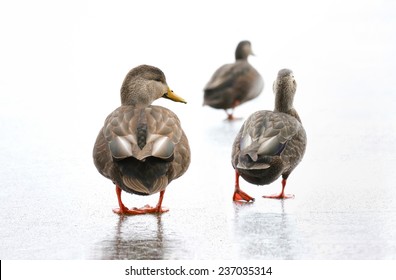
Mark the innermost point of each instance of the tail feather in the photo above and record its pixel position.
(147, 176)
(247, 162)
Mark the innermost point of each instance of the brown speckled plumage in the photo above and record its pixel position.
(142, 147)
(270, 144)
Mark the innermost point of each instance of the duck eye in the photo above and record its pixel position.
(158, 80)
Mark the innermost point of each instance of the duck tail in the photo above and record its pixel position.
(248, 161)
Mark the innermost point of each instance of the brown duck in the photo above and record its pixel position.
(142, 147)
(270, 143)
(235, 83)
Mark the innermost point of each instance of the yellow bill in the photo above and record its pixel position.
(172, 96)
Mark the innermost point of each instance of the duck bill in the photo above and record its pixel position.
(172, 96)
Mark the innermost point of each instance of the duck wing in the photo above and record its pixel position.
(226, 75)
(263, 136)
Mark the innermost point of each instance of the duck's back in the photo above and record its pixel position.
(142, 149)
(236, 82)
(268, 145)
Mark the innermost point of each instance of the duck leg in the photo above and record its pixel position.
(157, 208)
(240, 195)
(123, 210)
(282, 195)
(230, 116)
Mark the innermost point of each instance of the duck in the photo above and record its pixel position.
(270, 144)
(235, 83)
(142, 147)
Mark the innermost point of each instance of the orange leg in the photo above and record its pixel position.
(157, 208)
(282, 195)
(230, 116)
(137, 211)
(240, 195)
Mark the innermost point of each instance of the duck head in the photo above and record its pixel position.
(144, 84)
(243, 50)
(284, 87)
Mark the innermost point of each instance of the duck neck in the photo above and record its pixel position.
(136, 101)
(241, 57)
(284, 104)
(130, 96)
(241, 53)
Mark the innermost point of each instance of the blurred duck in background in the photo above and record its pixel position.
(235, 83)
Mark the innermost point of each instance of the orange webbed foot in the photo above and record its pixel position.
(157, 209)
(147, 209)
(240, 195)
(126, 211)
(282, 195)
(279, 196)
